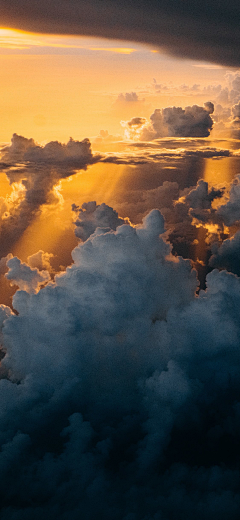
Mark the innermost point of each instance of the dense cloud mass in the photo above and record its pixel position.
(120, 388)
(201, 30)
(119, 377)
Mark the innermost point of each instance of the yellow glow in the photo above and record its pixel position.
(54, 226)
(5, 188)
(218, 172)
(119, 50)
(16, 39)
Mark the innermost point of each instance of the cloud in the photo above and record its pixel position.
(190, 32)
(153, 153)
(92, 217)
(226, 255)
(192, 121)
(25, 277)
(40, 260)
(235, 123)
(128, 97)
(112, 378)
(230, 212)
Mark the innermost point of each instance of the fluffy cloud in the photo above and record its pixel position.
(190, 31)
(92, 216)
(26, 278)
(120, 395)
(192, 121)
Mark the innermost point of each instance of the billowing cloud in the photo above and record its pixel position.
(40, 260)
(192, 121)
(25, 277)
(111, 382)
(92, 216)
(191, 31)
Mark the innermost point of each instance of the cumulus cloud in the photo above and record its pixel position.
(92, 217)
(230, 212)
(190, 31)
(226, 255)
(25, 277)
(192, 121)
(112, 379)
(36, 171)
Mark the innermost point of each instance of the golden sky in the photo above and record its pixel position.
(54, 87)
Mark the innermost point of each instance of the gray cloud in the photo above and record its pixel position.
(193, 121)
(226, 255)
(191, 31)
(92, 216)
(26, 278)
(111, 381)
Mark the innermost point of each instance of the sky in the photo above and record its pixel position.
(119, 260)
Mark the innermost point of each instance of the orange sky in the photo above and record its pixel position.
(54, 87)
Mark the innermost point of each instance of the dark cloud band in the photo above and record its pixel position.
(199, 30)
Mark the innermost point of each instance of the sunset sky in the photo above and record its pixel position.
(119, 260)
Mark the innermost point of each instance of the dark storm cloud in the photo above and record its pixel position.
(120, 392)
(200, 29)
